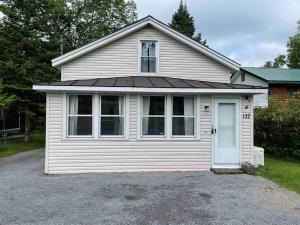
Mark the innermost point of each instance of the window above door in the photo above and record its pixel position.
(148, 57)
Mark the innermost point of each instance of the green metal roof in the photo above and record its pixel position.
(275, 75)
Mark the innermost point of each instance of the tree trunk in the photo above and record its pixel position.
(27, 125)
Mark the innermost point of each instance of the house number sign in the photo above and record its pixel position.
(246, 115)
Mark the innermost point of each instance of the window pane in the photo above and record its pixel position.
(153, 126)
(153, 105)
(80, 104)
(79, 125)
(112, 105)
(152, 65)
(148, 64)
(144, 65)
(183, 106)
(112, 125)
(148, 48)
(183, 126)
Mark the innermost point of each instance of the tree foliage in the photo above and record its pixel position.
(277, 128)
(293, 51)
(33, 32)
(182, 21)
(279, 61)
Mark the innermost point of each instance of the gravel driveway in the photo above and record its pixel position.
(27, 196)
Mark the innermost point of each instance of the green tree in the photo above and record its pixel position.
(199, 39)
(293, 51)
(34, 32)
(279, 61)
(182, 21)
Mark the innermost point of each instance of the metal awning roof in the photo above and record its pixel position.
(147, 84)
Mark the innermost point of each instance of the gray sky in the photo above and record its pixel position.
(248, 31)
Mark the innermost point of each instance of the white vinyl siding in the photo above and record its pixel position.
(121, 58)
(259, 100)
(247, 129)
(132, 154)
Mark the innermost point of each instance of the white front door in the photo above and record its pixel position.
(226, 132)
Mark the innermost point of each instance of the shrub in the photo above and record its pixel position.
(277, 128)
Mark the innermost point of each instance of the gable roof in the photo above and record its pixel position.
(149, 20)
(274, 75)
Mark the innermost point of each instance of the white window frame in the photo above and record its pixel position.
(161, 116)
(83, 115)
(99, 115)
(182, 116)
(140, 56)
(168, 120)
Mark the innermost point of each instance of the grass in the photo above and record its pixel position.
(284, 172)
(18, 145)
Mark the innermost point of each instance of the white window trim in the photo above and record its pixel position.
(140, 55)
(99, 115)
(182, 116)
(168, 120)
(95, 119)
(161, 116)
(67, 115)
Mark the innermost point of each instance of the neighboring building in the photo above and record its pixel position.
(146, 98)
(282, 83)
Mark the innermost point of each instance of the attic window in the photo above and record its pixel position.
(148, 59)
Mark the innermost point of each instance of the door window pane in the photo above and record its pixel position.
(226, 125)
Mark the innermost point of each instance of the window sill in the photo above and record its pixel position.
(191, 139)
(120, 138)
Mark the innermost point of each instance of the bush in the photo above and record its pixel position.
(277, 128)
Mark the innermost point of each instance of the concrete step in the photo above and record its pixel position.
(227, 171)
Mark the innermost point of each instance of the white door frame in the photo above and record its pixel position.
(229, 99)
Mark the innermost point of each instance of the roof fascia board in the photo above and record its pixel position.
(135, 26)
(147, 90)
(283, 82)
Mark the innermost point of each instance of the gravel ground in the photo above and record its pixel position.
(27, 196)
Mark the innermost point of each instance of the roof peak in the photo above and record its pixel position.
(139, 24)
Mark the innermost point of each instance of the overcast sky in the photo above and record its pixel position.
(248, 31)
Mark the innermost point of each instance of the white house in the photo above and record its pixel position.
(146, 98)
